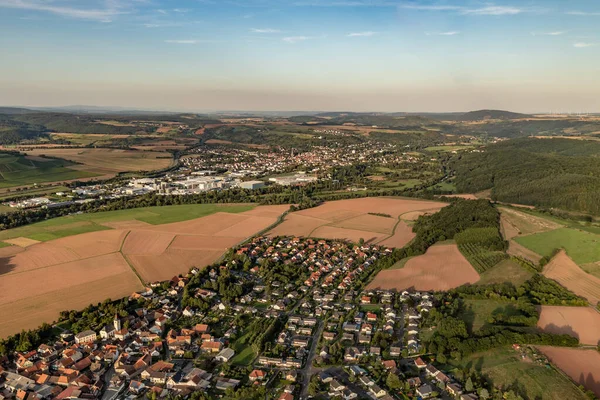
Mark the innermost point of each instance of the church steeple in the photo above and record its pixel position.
(117, 322)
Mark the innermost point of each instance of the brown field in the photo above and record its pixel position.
(22, 242)
(580, 322)
(401, 237)
(369, 222)
(443, 267)
(525, 224)
(350, 220)
(414, 215)
(581, 365)
(564, 270)
(39, 281)
(515, 249)
(109, 161)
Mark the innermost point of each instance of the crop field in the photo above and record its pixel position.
(580, 322)
(350, 220)
(505, 271)
(505, 368)
(130, 250)
(522, 223)
(443, 267)
(75, 224)
(18, 170)
(481, 258)
(102, 161)
(583, 366)
(563, 270)
(515, 249)
(582, 247)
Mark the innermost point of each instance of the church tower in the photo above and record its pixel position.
(117, 323)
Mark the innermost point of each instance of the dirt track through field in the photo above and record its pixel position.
(442, 267)
(564, 270)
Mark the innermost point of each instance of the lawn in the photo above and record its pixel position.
(478, 313)
(17, 170)
(445, 186)
(370, 307)
(244, 353)
(582, 247)
(82, 223)
(37, 191)
(505, 271)
(533, 381)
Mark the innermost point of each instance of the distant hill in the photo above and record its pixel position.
(14, 110)
(491, 114)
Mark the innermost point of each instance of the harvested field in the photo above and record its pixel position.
(401, 237)
(564, 270)
(350, 220)
(31, 312)
(109, 161)
(507, 229)
(172, 262)
(412, 216)
(373, 223)
(443, 267)
(505, 271)
(297, 225)
(582, 365)
(353, 235)
(526, 224)
(515, 249)
(22, 242)
(72, 272)
(580, 322)
(147, 242)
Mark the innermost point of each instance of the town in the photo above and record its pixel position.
(284, 317)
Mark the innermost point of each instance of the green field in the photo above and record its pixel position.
(529, 379)
(478, 313)
(582, 247)
(21, 171)
(505, 271)
(34, 191)
(81, 223)
(370, 307)
(244, 354)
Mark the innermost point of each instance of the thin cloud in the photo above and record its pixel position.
(555, 33)
(449, 33)
(490, 9)
(264, 30)
(362, 34)
(583, 13)
(581, 45)
(493, 10)
(296, 39)
(105, 14)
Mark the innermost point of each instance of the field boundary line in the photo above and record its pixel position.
(128, 262)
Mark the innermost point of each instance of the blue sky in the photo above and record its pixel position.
(362, 55)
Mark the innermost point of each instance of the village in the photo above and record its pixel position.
(285, 315)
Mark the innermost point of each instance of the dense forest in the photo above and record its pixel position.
(559, 173)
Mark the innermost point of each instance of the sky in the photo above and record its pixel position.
(302, 55)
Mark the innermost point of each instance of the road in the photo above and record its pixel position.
(309, 370)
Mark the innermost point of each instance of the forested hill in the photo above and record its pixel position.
(560, 173)
(491, 114)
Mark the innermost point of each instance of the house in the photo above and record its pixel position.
(257, 375)
(389, 364)
(291, 376)
(454, 389)
(336, 386)
(395, 351)
(88, 336)
(286, 396)
(425, 391)
(414, 382)
(377, 391)
(226, 383)
(470, 396)
(225, 355)
(212, 347)
(419, 363)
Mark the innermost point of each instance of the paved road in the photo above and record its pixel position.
(309, 370)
